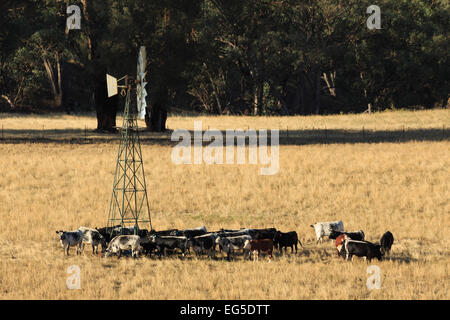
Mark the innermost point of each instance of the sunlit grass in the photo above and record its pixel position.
(401, 187)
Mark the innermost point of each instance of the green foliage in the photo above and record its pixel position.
(233, 56)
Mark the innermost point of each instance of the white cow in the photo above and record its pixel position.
(93, 237)
(124, 242)
(325, 228)
(71, 238)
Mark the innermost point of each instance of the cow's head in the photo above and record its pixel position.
(61, 234)
(110, 250)
(103, 243)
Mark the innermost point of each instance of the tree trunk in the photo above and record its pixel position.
(317, 94)
(255, 100)
(106, 107)
(155, 119)
(55, 80)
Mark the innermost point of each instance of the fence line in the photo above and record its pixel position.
(327, 135)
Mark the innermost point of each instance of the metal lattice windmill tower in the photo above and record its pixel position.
(129, 206)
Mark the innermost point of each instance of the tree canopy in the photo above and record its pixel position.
(251, 57)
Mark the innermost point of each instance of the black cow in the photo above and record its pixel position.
(356, 235)
(361, 249)
(201, 243)
(111, 232)
(170, 232)
(386, 242)
(108, 233)
(147, 244)
(258, 234)
(288, 239)
(170, 243)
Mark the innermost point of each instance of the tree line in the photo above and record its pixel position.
(253, 57)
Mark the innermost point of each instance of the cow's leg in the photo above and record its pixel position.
(120, 253)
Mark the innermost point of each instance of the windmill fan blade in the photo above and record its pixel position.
(140, 88)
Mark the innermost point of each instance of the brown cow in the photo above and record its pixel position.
(256, 246)
(339, 242)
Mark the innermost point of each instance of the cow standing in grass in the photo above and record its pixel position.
(124, 242)
(386, 242)
(285, 240)
(230, 244)
(361, 249)
(339, 243)
(71, 238)
(93, 237)
(255, 247)
(323, 229)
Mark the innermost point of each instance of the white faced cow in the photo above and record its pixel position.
(71, 238)
(124, 242)
(93, 237)
(325, 228)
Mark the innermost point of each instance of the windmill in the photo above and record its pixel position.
(129, 202)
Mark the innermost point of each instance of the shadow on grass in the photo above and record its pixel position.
(291, 137)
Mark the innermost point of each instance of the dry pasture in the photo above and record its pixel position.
(58, 178)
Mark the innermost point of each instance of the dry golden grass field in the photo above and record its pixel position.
(392, 175)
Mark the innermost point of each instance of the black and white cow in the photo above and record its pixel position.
(71, 238)
(170, 243)
(203, 243)
(355, 235)
(285, 240)
(386, 242)
(124, 242)
(323, 229)
(229, 244)
(93, 237)
(361, 249)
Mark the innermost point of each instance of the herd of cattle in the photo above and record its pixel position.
(252, 242)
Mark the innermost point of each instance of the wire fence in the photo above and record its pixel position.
(323, 135)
